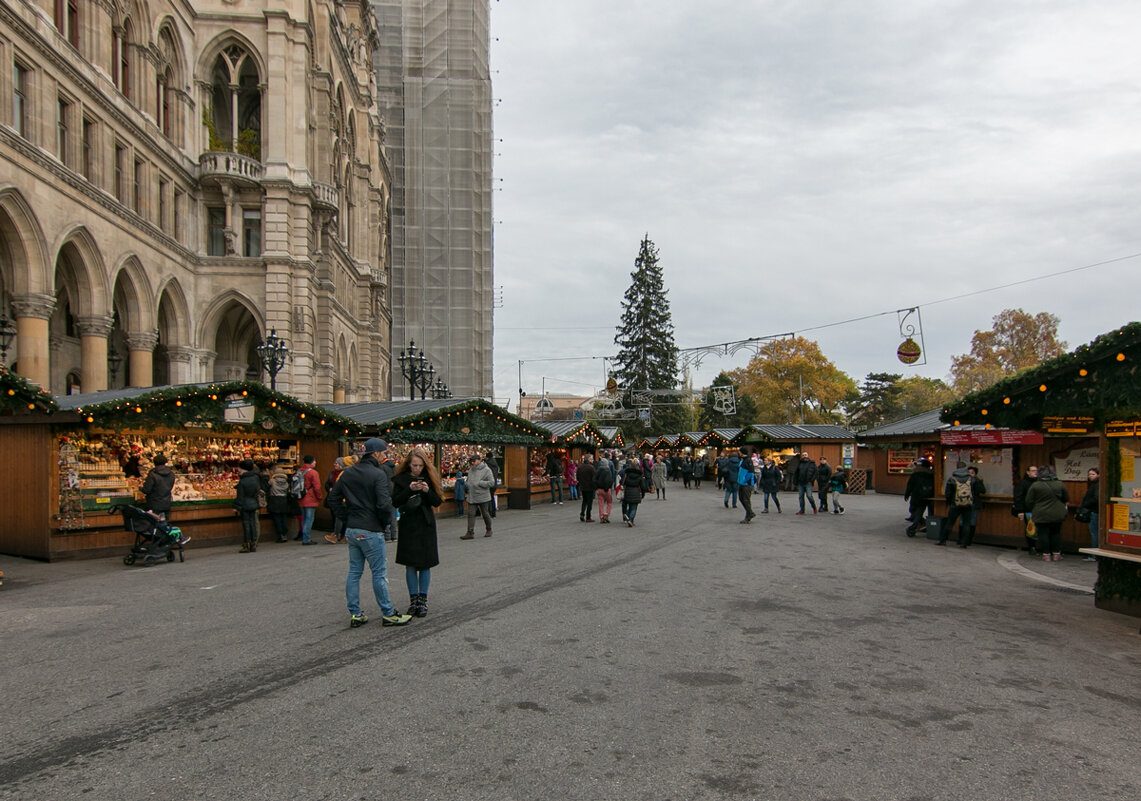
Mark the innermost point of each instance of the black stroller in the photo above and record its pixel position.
(155, 539)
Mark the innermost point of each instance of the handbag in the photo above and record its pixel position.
(1031, 530)
(1083, 515)
(620, 494)
(412, 503)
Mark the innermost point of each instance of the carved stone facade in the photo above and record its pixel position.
(177, 179)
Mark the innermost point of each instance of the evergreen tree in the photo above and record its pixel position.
(647, 355)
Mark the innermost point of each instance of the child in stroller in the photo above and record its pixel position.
(155, 539)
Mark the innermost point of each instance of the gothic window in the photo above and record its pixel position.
(235, 103)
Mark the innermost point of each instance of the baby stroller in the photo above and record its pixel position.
(155, 539)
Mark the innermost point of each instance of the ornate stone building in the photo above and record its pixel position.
(178, 179)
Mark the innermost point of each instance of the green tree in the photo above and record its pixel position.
(646, 365)
(918, 394)
(1017, 341)
(878, 401)
(745, 415)
(790, 381)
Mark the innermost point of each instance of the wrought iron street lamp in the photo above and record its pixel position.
(7, 334)
(441, 391)
(273, 353)
(416, 370)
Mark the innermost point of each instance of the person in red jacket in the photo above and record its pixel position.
(311, 499)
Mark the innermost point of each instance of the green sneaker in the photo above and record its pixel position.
(356, 621)
(396, 620)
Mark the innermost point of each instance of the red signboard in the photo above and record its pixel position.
(996, 436)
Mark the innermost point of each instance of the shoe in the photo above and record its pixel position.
(629, 523)
(331, 539)
(396, 619)
(413, 604)
(746, 520)
(814, 511)
(923, 527)
(841, 511)
(1090, 559)
(246, 548)
(282, 539)
(582, 518)
(800, 512)
(468, 536)
(297, 538)
(309, 542)
(356, 621)
(764, 511)
(726, 504)
(1045, 557)
(487, 533)
(422, 607)
(1057, 557)
(184, 540)
(590, 520)
(910, 533)
(253, 547)
(940, 543)
(835, 511)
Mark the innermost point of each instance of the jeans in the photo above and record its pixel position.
(587, 505)
(1093, 529)
(806, 489)
(307, 513)
(556, 485)
(605, 502)
(573, 492)
(964, 515)
(281, 524)
(367, 546)
(771, 494)
(629, 510)
(731, 492)
(250, 525)
(418, 579)
(745, 491)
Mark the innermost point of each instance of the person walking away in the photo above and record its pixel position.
(1020, 510)
(805, 475)
(586, 488)
(480, 491)
(1091, 503)
(277, 501)
(699, 470)
(493, 465)
(823, 482)
(634, 486)
(330, 480)
(416, 493)
(729, 479)
(311, 499)
(363, 498)
(158, 487)
(746, 480)
(919, 492)
(838, 483)
(246, 504)
(771, 479)
(555, 477)
(458, 491)
(603, 489)
(979, 490)
(659, 477)
(571, 476)
(959, 492)
(687, 471)
(1047, 501)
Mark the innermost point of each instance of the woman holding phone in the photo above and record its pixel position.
(416, 493)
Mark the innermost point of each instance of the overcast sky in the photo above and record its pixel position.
(800, 163)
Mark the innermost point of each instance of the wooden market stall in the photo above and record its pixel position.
(73, 466)
(568, 439)
(1001, 456)
(1092, 394)
(452, 430)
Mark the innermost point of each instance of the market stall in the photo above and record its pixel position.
(566, 439)
(452, 430)
(94, 453)
(1092, 395)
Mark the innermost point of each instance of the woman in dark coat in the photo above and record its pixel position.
(634, 484)
(416, 493)
(246, 504)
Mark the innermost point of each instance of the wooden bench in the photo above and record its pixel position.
(1103, 553)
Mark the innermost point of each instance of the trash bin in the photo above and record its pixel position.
(935, 527)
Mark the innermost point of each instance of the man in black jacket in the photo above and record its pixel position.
(805, 475)
(586, 488)
(363, 499)
(919, 492)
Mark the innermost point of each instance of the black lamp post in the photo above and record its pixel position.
(7, 334)
(416, 369)
(273, 353)
(114, 362)
(441, 391)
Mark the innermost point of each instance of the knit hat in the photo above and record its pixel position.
(375, 445)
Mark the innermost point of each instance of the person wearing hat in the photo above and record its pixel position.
(919, 491)
(480, 488)
(362, 497)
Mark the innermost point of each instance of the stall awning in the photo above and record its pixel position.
(572, 432)
(20, 396)
(470, 420)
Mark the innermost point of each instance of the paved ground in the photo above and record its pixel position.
(691, 657)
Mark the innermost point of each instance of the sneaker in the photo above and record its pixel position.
(468, 536)
(1090, 559)
(800, 512)
(841, 511)
(184, 540)
(331, 539)
(396, 619)
(356, 621)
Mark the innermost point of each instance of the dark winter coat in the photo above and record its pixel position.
(805, 472)
(1020, 489)
(246, 498)
(416, 546)
(362, 497)
(699, 469)
(634, 484)
(586, 478)
(920, 485)
(1046, 500)
(1090, 499)
(952, 484)
(157, 487)
(770, 478)
(823, 476)
(731, 467)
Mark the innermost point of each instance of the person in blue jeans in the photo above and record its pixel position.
(362, 498)
(1092, 503)
(729, 479)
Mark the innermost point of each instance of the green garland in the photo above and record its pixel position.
(468, 422)
(19, 394)
(172, 407)
(1118, 578)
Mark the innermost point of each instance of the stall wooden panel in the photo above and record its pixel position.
(516, 474)
(28, 475)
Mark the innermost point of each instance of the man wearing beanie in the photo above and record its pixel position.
(362, 498)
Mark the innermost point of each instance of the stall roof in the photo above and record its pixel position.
(613, 436)
(665, 441)
(924, 423)
(17, 394)
(469, 420)
(1100, 380)
(801, 432)
(572, 431)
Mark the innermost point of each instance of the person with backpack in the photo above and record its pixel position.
(746, 480)
(310, 498)
(603, 486)
(634, 484)
(771, 479)
(959, 492)
(976, 505)
(837, 484)
(277, 501)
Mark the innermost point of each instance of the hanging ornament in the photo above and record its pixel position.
(910, 351)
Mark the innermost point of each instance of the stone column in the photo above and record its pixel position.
(140, 359)
(93, 334)
(181, 364)
(338, 393)
(33, 359)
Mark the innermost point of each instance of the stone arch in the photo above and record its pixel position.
(173, 319)
(170, 78)
(340, 362)
(84, 273)
(233, 71)
(352, 373)
(24, 267)
(132, 299)
(232, 328)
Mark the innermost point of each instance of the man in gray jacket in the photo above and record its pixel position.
(362, 498)
(480, 488)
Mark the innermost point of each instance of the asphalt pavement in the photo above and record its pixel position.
(689, 657)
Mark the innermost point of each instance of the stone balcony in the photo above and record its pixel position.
(326, 197)
(217, 166)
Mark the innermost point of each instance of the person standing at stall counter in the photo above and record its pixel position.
(363, 498)
(311, 499)
(158, 486)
